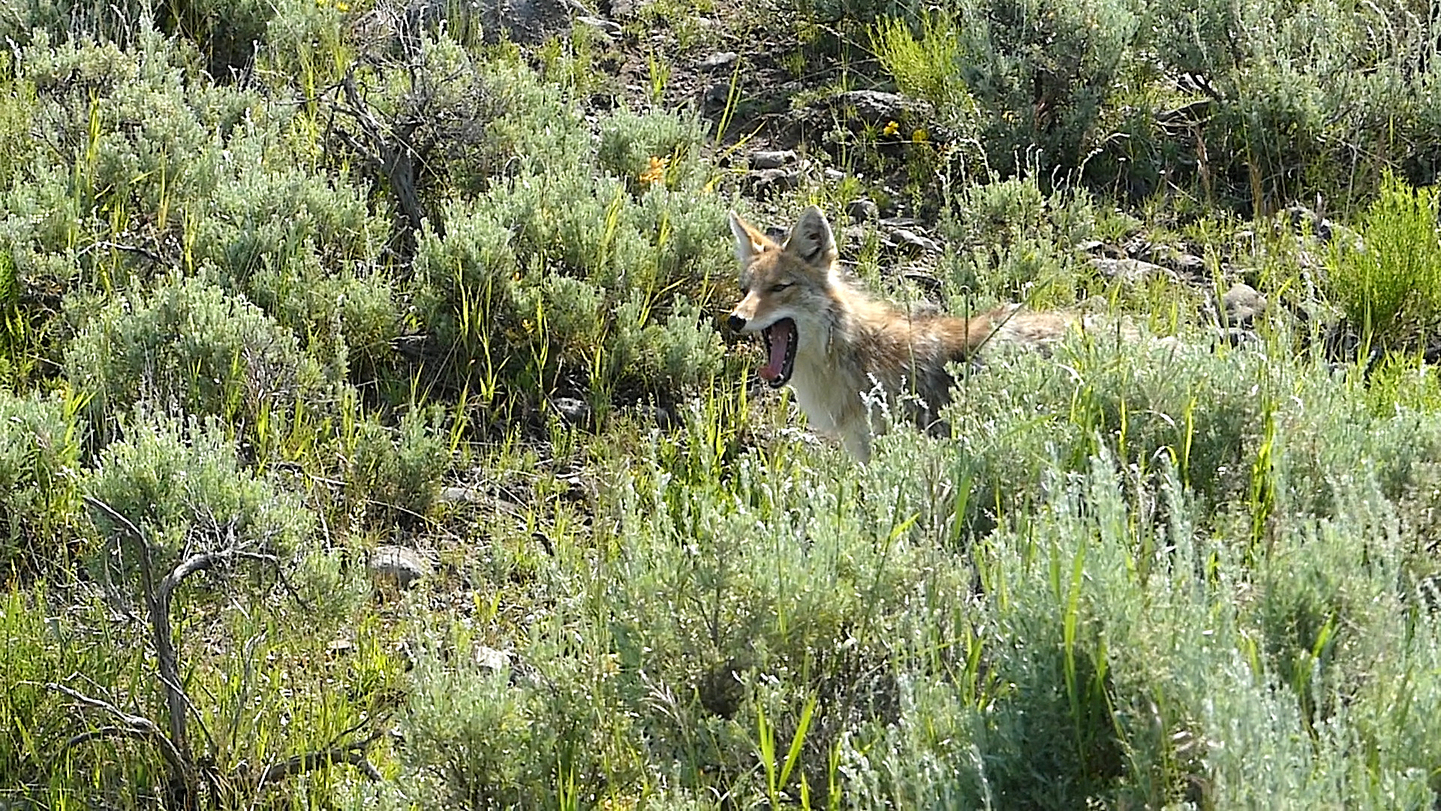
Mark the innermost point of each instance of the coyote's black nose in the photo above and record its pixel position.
(736, 323)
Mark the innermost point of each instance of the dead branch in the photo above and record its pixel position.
(392, 152)
(167, 661)
(350, 754)
(175, 746)
(131, 726)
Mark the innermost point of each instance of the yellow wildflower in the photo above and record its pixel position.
(655, 173)
(891, 128)
(920, 135)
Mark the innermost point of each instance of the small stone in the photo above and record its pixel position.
(455, 494)
(771, 181)
(490, 658)
(398, 565)
(1189, 264)
(863, 210)
(572, 410)
(772, 159)
(899, 222)
(658, 416)
(609, 28)
(719, 60)
(906, 238)
(718, 95)
(1241, 304)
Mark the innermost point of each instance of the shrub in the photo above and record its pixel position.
(180, 482)
(39, 460)
(1013, 242)
(189, 346)
(1389, 287)
(925, 67)
(1043, 75)
(578, 272)
(225, 32)
(398, 472)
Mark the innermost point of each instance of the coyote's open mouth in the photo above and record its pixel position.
(781, 339)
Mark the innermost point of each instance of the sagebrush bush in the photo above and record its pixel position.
(1044, 73)
(634, 144)
(40, 441)
(225, 32)
(347, 319)
(1089, 92)
(190, 346)
(581, 268)
(1238, 446)
(180, 481)
(1014, 242)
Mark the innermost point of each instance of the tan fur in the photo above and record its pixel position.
(849, 343)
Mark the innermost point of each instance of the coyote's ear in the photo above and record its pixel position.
(811, 240)
(749, 242)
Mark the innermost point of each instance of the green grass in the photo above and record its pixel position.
(1155, 573)
(1390, 287)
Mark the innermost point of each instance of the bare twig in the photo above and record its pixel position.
(138, 250)
(131, 726)
(351, 754)
(167, 661)
(175, 746)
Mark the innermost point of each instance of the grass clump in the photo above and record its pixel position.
(927, 66)
(1389, 286)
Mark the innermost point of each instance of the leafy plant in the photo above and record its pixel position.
(1389, 287)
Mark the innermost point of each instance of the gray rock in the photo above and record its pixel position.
(1189, 264)
(490, 658)
(910, 240)
(455, 494)
(767, 182)
(899, 222)
(1241, 304)
(773, 158)
(572, 410)
(611, 29)
(863, 210)
(877, 107)
(717, 96)
(719, 60)
(398, 566)
(527, 22)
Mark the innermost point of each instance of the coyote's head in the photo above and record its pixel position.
(785, 289)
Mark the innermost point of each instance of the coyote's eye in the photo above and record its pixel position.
(776, 288)
(745, 290)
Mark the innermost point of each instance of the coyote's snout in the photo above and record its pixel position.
(833, 343)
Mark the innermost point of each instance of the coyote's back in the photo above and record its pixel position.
(835, 345)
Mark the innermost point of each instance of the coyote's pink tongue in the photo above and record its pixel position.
(780, 336)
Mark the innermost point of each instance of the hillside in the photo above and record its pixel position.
(372, 436)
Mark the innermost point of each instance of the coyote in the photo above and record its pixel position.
(833, 343)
